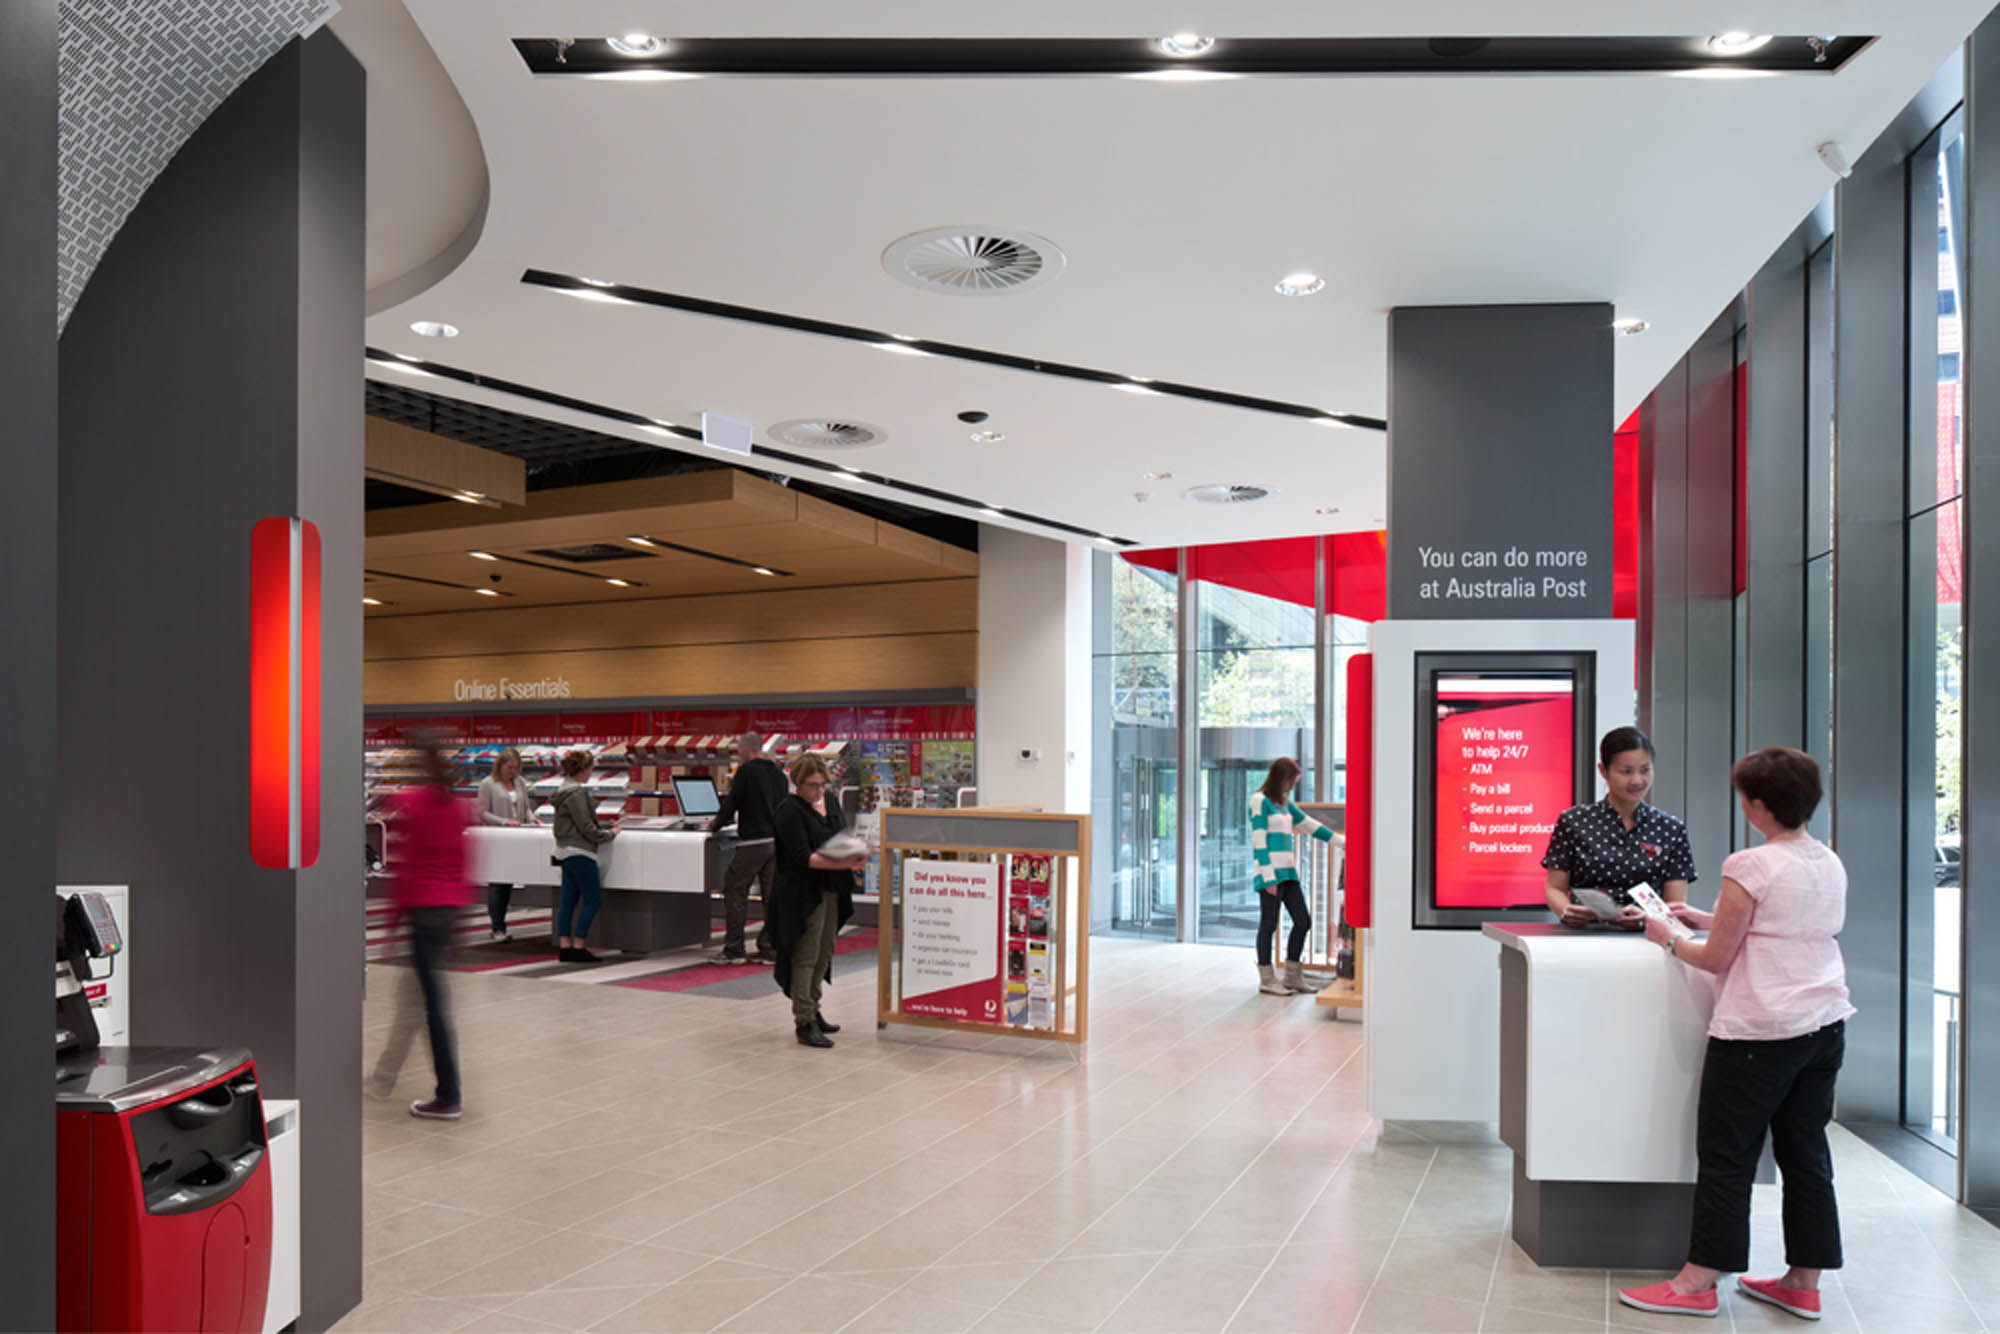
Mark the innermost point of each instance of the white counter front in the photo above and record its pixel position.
(1612, 1036)
(660, 861)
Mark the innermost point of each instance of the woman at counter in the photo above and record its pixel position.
(504, 799)
(578, 837)
(1774, 1044)
(811, 897)
(1619, 842)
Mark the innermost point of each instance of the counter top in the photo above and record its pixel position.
(657, 860)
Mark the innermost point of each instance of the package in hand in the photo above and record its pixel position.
(841, 847)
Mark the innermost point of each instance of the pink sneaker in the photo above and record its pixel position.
(1661, 1297)
(1801, 1302)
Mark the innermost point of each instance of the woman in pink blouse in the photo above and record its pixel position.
(1774, 1044)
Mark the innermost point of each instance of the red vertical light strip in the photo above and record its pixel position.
(284, 692)
(1360, 790)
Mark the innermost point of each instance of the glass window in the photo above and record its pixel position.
(1138, 686)
(1819, 402)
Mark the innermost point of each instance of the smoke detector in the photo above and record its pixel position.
(1223, 493)
(973, 261)
(827, 433)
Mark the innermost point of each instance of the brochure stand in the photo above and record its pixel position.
(1335, 957)
(985, 922)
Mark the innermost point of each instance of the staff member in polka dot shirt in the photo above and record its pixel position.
(1620, 841)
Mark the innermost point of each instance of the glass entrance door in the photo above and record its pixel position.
(1145, 855)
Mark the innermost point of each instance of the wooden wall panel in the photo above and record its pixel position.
(927, 606)
(778, 667)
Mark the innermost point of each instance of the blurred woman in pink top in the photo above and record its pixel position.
(1774, 1044)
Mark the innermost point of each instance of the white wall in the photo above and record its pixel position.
(1432, 1019)
(1034, 672)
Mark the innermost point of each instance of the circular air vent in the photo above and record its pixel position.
(827, 433)
(973, 261)
(1220, 493)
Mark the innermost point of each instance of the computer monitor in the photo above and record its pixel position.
(696, 796)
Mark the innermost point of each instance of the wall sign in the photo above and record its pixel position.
(501, 689)
(284, 692)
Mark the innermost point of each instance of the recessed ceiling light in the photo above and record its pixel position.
(1630, 326)
(1300, 284)
(1326, 509)
(1155, 476)
(618, 583)
(371, 602)
(1722, 72)
(482, 555)
(636, 44)
(903, 348)
(640, 541)
(1102, 541)
(993, 511)
(1184, 44)
(486, 592)
(1333, 421)
(758, 569)
(468, 497)
(1185, 75)
(1133, 388)
(987, 437)
(597, 282)
(434, 329)
(1737, 43)
(851, 471)
(593, 294)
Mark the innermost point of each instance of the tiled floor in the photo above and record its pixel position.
(639, 1161)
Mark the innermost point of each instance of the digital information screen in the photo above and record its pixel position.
(1506, 750)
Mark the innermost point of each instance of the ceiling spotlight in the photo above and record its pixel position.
(758, 569)
(371, 602)
(618, 583)
(434, 329)
(1102, 541)
(636, 44)
(1331, 421)
(1629, 327)
(1737, 43)
(640, 541)
(482, 555)
(1300, 284)
(1155, 476)
(1181, 45)
(596, 282)
(993, 512)
(987, 437)
(1326, 509)
(904, 348)
(487, 592)
(1133, 387)
(468, 497)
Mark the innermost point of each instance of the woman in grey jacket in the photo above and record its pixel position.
(504, 799)
(578, 836)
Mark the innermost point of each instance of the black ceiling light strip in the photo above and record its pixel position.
(646, 296)
(436, 583)
(791, 461)
(686, 550)
(989, 57)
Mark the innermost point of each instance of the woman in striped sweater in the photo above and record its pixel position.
(1275, 824)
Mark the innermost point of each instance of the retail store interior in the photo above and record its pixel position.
(896, 668)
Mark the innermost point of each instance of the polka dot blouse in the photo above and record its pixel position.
(1599, 852)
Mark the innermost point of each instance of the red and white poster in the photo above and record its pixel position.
(951, 940)
(1506, 768)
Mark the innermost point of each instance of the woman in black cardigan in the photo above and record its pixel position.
(812, 897)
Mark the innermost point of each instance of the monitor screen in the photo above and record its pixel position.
(696, 796)
(1506, 744)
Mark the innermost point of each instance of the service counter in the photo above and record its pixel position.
(657, 882)
(1602, 1037)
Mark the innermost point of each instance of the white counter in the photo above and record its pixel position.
(661, 861)
(1613, 1033)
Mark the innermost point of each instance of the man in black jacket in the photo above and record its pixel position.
(754, 793)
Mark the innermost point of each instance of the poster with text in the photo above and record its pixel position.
(1506, 766)
(952, 956)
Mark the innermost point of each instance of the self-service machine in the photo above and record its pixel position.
(163, 1174)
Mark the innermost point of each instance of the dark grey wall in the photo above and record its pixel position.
(1499, 441)
(1776, 476)
(210, 376)
(28, 666)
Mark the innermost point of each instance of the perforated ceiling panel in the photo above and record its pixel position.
(138, 78)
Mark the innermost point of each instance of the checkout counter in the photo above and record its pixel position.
(1602, 1038)
(657, 882)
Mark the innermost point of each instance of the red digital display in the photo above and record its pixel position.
(1505, 769)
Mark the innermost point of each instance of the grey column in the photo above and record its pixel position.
(1979, 1065)
(1709, 745)
(1776, 475)
(28, 665)
(1870, 235)
(1500, 441)
(1666, 447)
(210, 377)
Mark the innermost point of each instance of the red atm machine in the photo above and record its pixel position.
(163, 1214)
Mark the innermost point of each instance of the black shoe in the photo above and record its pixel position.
(825, 1026)
(811, 1036)
(578, 955)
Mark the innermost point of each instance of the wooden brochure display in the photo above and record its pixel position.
(985, 922)
(1322, 867)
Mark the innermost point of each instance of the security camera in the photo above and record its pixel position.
(1834, 160)
(494, 577)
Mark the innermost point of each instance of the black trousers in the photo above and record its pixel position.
(430, 938)
(1747, 1088)
(751, 862)
(1293, 897)
(498, 898)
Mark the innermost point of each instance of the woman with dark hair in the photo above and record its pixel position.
(1775, 1044)
(579, 834)
(1275, 823)
(811, 898)
(1619, 842)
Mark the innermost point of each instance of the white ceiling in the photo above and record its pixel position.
(1177, 204)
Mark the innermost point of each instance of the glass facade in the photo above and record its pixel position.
(1138, 712)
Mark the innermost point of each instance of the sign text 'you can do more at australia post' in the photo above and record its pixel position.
(958, 962)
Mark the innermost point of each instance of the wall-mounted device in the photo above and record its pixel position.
(86, 929)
